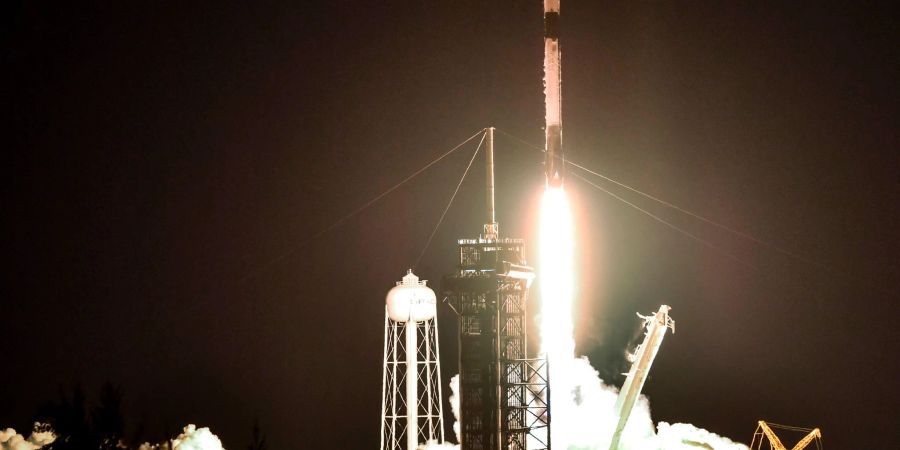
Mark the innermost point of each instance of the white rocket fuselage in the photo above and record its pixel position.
(553, 158)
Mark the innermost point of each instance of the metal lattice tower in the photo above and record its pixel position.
(503, 393)
(411, 409)
(765, 438)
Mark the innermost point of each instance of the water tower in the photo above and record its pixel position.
(411, 410)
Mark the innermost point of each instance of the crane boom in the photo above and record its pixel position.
(773, 439)
(656, 325)
(775, 442)
(814, 434)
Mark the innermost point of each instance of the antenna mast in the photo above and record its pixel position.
(491, 228)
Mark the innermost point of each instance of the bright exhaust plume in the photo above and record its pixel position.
(556, 276)
(582, 405)
(556, 269)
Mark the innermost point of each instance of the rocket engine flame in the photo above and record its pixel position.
(556, 244)
(557, 288)
(556, 269)
(583, 413)
(582, 409)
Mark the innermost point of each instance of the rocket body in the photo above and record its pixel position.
(554, 159)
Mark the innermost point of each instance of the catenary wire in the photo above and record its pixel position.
(789, 427)
(668, 224)
(356, 211)
(450, 202)
(670, 205)
(740, 233)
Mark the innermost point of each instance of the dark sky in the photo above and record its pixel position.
(166, 164)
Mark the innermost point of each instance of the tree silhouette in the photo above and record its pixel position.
(108, 425)
(69, 420)
(259, 441)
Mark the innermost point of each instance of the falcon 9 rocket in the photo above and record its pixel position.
(553, 158)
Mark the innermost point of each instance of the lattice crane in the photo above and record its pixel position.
(764, 432)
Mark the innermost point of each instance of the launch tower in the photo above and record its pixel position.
(503, 393)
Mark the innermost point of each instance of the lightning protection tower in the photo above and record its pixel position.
(504, 393)
(411, 410)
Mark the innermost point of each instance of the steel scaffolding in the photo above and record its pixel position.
(504, 393)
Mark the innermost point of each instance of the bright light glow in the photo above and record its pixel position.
(556, 269)
(557, 282)
(582, 405)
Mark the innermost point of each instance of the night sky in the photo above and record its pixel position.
(165, 166)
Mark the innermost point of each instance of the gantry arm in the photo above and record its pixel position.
(815, 433)
(773, 439)
(776, 443)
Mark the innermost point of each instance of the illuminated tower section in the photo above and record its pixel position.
(503, 393)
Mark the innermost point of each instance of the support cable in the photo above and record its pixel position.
(668, 224)
(450, 202)
(789, 427)
(740, 233)
(356, 211)
(721, 226)
(676, 207)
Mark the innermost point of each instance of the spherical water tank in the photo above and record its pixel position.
(410, 299)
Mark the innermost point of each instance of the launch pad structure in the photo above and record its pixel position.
(504, 394)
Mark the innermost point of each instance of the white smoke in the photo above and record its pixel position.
(194, 438)
(454, 404)
(149, 446)
(10, 440)
(592, 419)
(684, 436)
(191, 438)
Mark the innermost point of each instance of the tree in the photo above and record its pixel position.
(259, 441)
(68, 419)
(75, 430)
(108, 423)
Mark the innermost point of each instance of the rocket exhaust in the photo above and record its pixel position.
(554, 159)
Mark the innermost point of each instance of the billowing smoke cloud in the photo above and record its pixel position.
(10, 440)
(592, 425)
(684, 436)
(454, 404)
(593, 419)
(192, 438)
(197, 439)
(149, 446)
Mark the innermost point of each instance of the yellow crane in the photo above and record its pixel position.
(764, 432)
